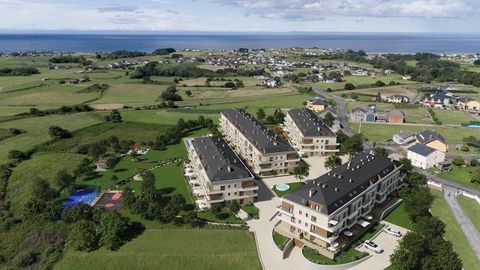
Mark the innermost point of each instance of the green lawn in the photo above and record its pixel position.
(37, 130)
(399, 217)
(225, 216)
(454, 233)
(251, 210)
(472, 209)
(372, 232)
(280, 240)
(461, 175)
(385, 132)
(453, 117)
(347, 256)
(44, 165)
(173, 250)
(293, 186)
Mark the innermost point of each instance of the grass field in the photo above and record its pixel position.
(399, 217)
(472, 209)
(453, 117)
(385, 132)
(384, 91)
(37, 130)
(349, 256)
(173, 249)
(44, 165)
(454, 233)
(460, 175)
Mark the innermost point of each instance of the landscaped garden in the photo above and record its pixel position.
(251, 210)
(399, 217)
(348, 256)
(280, 240)
(293, 186)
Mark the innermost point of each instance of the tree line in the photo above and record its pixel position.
(22, 71)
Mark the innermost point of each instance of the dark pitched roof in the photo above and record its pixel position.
(397, 113)
(219, 160)
(264, 139)
(405, 134)
(317, 100)
(344, 183)
(359, 109)
(428, 136)
(421, 149)
(309, 123)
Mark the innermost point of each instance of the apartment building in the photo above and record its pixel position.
(309, 135)
(217, 174)
(261, 149)
(327, 211)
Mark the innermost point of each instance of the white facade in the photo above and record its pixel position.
(427, 161)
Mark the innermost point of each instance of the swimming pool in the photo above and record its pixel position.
(82, 196)
(474, 125)
(282, 187)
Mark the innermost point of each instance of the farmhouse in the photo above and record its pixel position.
(358, 114)
(425, 157)
(441, 99)
(217, 174)
(468, 104)
(404, 137)
(320, 213)
(396, 116)
(260, 147)
(309, 135)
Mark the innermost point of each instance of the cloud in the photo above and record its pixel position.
(319, 9)
(117, 9)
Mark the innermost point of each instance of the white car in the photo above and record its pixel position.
(373, 247)
(393, 232)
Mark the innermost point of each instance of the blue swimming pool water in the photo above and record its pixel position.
(474, 125)
(81, 196)
(282, 187)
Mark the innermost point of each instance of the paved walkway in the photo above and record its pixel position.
(466, 224)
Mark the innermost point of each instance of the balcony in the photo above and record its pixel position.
(291, 157)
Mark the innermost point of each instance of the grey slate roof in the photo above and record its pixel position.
(309, 123)
(405, 134)
(219, 160)
(421, 149)
(264, 139)
(428, 136)
(317, 100)
(359, 109)
(344, 183)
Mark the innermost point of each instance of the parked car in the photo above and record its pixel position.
(373, 247)
(393, 232)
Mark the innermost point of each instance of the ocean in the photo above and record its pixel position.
(370, 42)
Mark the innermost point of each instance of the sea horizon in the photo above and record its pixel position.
(371, 42)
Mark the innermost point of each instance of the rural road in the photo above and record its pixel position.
(466, 224)
(342, 110)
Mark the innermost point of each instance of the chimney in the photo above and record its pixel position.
(229, 168)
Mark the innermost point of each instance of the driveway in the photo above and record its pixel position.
(385, 241)
(466, 224)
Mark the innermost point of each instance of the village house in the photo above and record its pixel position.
(432, 139)
(309, 135)
(440, 100)
(404, 137)
(316, 103)
(396, 99)
(468, 104)
(425, 157)
(328, 211)
(396, 116)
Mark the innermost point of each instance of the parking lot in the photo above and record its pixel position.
(388, 243)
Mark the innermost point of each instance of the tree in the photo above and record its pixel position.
(42, 190)
(429, 227)
(188, 93)
(410, 253)
(114, 178)
(407, 165)
(329, 119)
(465, 148)
(417, 202)
(301, 171)
(148, 183)
(216, 209)
(379, 84)
(112, 229)
(78, 212)
(59, 133)
(415, 180)
(261, 114)
(84, 169)
(17, 155)
(477, 62)
(349, 86)
(115, 116)
(234, 206)
(475, 175)
(352, 145)
(458, 161)
(63, 180)
(230, 85)
(170, 94)
(332, 162)
(191, 218)
(380, 151)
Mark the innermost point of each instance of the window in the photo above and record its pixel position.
(228, 194)
(228, 186)
(314, 218)
(306, 214)
(222, 187)
(299, 212)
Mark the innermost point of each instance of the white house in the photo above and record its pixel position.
(425, 157)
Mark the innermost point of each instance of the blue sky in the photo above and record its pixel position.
(242, 15)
